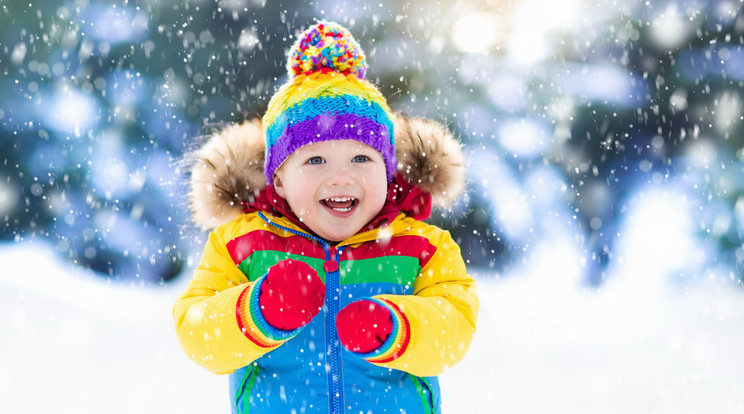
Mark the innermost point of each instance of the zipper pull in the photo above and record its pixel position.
(330, 265)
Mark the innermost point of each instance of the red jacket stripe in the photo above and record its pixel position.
(412, 246)
(243, 246)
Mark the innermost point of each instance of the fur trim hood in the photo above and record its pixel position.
(227, 171)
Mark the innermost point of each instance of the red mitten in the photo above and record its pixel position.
(363, 326)
(291, 295)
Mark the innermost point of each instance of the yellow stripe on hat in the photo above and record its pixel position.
(317, 85)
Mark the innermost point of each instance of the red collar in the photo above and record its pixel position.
(402, 197)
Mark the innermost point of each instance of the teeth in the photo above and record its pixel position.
(340, 199)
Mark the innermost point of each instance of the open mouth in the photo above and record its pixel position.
(340, 204)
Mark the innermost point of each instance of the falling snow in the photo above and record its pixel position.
(604, 214)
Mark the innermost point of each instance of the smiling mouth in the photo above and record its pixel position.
(340, 204)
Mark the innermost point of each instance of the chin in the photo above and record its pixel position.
(336, 236)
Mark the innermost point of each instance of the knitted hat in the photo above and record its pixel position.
(326, 99)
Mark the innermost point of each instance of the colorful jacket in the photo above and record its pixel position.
(414, 269)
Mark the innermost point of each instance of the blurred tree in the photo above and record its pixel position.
(689, 99)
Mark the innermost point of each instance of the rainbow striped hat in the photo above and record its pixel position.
(326, 99)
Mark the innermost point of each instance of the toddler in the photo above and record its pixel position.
(320, 289)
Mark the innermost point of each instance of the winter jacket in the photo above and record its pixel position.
(415, 269)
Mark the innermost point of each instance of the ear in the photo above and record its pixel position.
(279, 186)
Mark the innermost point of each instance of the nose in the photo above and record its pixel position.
(340, 176)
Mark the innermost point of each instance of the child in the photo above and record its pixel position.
(326, 294)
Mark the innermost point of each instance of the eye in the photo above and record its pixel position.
(360, 158)
(315, 160)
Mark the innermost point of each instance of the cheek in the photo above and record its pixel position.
(301, 201)
(377, 190)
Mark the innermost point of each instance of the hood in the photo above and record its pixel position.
(227, 171)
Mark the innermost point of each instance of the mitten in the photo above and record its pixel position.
(291, 295)
(363, 325)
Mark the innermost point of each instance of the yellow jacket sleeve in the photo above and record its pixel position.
(440, 316)
(207, 317)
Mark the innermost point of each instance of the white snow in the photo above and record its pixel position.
(72, 343)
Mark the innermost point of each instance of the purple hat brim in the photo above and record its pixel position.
(327, 128)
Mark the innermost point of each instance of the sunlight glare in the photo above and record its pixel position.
(478, 32)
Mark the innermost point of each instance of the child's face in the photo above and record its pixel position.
(334, 187)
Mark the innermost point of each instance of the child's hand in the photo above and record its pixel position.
(363, 326)
(291, 295)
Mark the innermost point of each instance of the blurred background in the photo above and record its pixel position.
(604, 213)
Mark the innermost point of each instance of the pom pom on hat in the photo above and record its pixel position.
(326, 46)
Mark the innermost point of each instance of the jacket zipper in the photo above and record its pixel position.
(334, 374)
(335, 397)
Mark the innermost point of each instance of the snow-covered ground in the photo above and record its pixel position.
(71, 343)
